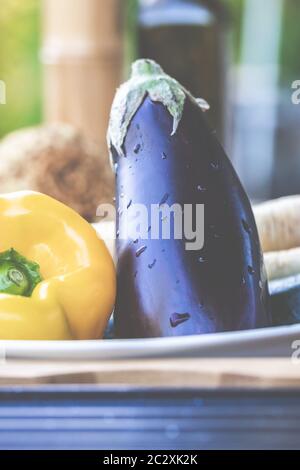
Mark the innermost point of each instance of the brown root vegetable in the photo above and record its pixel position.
(59, 161)
(278, 223)
(283, 263)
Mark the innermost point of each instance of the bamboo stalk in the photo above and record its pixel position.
(82, 56)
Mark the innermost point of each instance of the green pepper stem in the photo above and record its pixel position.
(18, 276)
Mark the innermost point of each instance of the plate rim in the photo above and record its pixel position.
(119, 348)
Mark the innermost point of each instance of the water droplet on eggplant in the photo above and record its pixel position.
(201, 188)
(215, 165)
(246, 226)
(140, 251)
(137, 148)
(179, 318)
(215, 233)
(163, 156)
(251, 270)
(201, 259)
(164, 199)
(151, 265)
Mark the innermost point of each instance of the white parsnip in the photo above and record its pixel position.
(280, 264)
(278, 224)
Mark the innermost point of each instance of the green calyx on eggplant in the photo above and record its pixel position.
(163, 150)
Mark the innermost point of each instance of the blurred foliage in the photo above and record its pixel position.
(19, 63)
(290, 57)
(130, 48)
(236, 9)
(20, 42)
(289, 54)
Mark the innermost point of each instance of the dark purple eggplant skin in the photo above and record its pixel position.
(167, 290)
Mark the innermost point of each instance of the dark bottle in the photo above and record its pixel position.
(187, 38)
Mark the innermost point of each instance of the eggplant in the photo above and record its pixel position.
(165, 153)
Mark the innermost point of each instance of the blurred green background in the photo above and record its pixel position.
(20, 68)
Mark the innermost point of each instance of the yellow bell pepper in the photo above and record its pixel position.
(57, 278)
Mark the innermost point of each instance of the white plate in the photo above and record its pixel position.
(267, 342)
